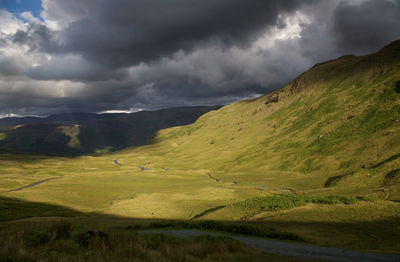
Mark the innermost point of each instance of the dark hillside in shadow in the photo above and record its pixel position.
(83, 133)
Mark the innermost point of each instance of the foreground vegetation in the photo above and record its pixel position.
(63, 241)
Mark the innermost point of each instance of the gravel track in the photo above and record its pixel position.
(291, 249)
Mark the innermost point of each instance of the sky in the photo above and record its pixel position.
(128, 55)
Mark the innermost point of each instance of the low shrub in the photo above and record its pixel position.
(81, 238)
(156, 241)
(61, 230)
(246, 229)
(286, 201)
(123, 245)
(36, 238)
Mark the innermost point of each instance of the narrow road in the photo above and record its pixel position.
(142, 168)
(264, 187)
(31, 185)
(291, 249)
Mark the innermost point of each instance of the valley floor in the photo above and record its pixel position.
(160, 190)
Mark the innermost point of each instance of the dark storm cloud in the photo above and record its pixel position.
(36, 36)
(97, 55)
(218, 71)
(9, 67)
(366, 27)
(123, 33)
(74, 68)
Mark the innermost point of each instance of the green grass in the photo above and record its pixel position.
(285, 201)
(73, 133)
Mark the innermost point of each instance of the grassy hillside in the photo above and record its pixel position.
(331, 137)
(335, 126)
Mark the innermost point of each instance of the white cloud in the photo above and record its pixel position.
(130, 110)
(18, 115)
(9, 24)
(289, 27)
(58, 14)
(28, 16)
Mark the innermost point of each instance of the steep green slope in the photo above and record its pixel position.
(337, 123)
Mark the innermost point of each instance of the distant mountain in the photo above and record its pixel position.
(13, 121)
(137, 128)
(83, 133)
(64, 117)
(80, 116)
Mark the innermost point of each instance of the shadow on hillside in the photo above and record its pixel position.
(378, 235)
(13, 208)
(14, 157)
(397, 87)
(395, 156)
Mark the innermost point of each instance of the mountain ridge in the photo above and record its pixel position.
(62, 117)
(85, 133)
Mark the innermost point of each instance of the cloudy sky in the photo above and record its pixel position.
(99, 55)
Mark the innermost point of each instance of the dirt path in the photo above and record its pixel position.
(261, 187)
(287, 189)
(291, 249)
(31, 185)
